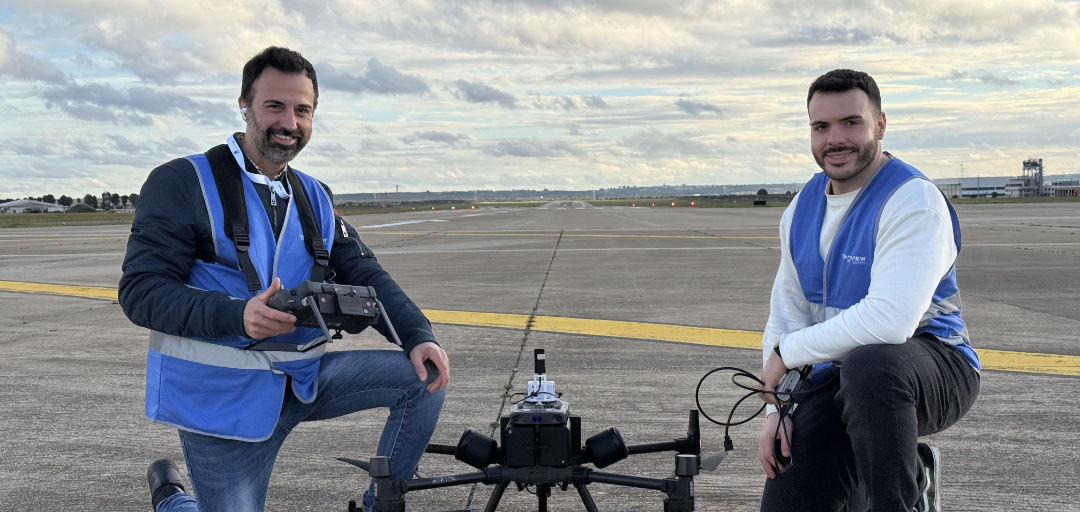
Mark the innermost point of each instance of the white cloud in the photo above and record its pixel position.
(652, 143)
(378, 78)
(21, 66)
(133, 106)
(534, 148)
(682, 91)
(476, 92)
(696, 108)
(448, 138)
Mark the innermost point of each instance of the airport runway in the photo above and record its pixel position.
(633, 306)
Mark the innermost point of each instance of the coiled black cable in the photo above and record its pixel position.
(739, 372)
(784, 409)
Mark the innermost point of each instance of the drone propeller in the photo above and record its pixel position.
(713, 461)
(362, 464)
(366, 466)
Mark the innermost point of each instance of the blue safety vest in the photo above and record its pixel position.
(844, 279)
(212, 385)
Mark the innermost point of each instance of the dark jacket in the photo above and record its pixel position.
(172, 229)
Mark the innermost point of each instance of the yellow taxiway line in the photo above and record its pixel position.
(90, 292)
(1005, 360)
(1026, 362)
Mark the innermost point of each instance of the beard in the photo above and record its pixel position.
(271, 150)
(864, 157)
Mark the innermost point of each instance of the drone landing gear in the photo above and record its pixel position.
(541, 448)
(390, 494)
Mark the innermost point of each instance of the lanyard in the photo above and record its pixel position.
(276, 186)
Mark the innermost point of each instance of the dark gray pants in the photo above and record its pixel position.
(853, 442)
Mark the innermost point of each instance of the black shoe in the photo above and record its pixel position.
(164, 479)
(929, 479)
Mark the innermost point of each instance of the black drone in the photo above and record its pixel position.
(541, 447)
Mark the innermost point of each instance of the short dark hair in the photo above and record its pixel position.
(281, 59)
(843, 80)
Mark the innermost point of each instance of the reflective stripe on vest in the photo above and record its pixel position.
(212, 385)
(222, 356)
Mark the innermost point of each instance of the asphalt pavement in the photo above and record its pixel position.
(632, 305)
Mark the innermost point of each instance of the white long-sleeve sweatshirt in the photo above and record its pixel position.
(913, 251)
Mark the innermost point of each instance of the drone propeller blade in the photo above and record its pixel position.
(713, 461)
(362, 464)
(365, 465)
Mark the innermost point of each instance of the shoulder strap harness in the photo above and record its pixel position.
(230, 186)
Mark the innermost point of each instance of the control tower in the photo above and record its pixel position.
(1030, 184)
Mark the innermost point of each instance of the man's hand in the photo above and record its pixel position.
(774, 370)
(766, 443)
(430, 351)
(262, 321)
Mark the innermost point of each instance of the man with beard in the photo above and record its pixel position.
(865, 303)
(230, 373)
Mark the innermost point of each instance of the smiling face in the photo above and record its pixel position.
(845, 137)
(278, 119)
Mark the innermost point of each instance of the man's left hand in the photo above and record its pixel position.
(430, 351)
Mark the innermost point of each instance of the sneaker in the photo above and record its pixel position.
(929, 479)
(164, 479)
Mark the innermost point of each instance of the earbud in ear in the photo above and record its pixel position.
(243, 113)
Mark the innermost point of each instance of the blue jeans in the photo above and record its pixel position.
(232, 476)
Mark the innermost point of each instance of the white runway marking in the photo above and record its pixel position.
(401, 223)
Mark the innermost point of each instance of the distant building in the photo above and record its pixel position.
(1067, 188)
(1030, 184)
(29, 206)
(949, 186)
(989, 186)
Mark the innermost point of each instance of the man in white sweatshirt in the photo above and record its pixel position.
(866, 301)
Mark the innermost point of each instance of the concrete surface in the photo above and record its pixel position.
(71, 368)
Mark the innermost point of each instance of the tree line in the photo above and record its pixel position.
(107, 200)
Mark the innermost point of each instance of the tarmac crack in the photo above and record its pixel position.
(1045, 251)
(736, 240)
(1018, 306)
(29, 335)
(1054, 226)
(521, 351)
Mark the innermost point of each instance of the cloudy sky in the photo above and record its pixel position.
(478, 94)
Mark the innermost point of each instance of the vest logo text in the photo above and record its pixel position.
(854, 260)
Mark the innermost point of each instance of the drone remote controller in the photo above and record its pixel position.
(332, 306)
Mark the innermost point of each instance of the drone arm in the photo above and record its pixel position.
(689, 445)
(653, 447)
(624, 480)
(443, 449)
(419, 484)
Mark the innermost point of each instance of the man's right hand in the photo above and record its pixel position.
(766, 443)
(262, 321)
(774, 370)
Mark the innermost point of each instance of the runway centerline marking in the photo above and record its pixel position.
(1005, 360)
